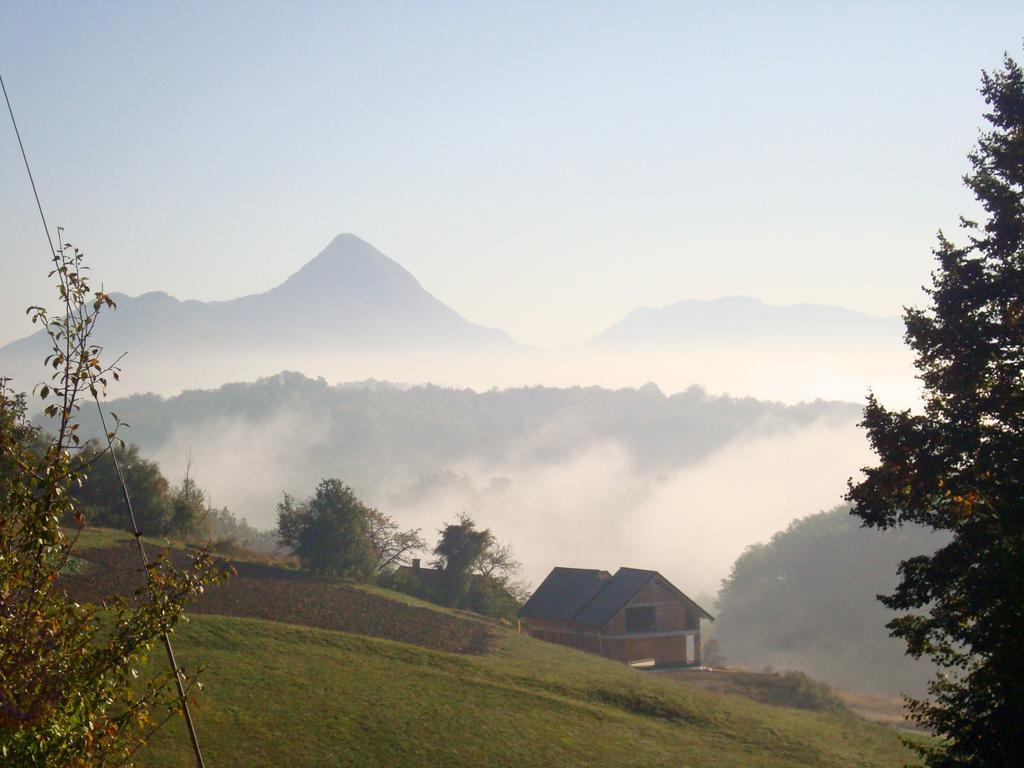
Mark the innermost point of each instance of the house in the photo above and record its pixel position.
(427, 576)
(633, 616)
(486, 595)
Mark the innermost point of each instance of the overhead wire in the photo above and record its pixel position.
(125, 496)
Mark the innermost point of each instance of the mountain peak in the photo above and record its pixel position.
(350, 298)
(347, 243)
(350, 265)
(352, 291)
(347, 248)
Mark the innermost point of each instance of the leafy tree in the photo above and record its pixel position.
(99, 496)
(28, 437)
(188, 508)
(497, 560)
(805, 600)
(226, 531)
(457, 554)
(494, 597)
(391, 544)
(958, 467)
(160, 508)
(499, 567)
(471, 570)
(67, 691)
(330, 531)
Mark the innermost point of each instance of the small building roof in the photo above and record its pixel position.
(564, 592)
(588, 596)
(622, 587)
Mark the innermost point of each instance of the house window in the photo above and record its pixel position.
(641, 619)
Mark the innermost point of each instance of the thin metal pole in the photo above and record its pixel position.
(182, 696)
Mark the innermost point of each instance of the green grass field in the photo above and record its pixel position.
(281, 695)
(292, 696)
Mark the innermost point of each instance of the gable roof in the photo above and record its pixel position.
(592, 597)
(564, 592)
(622, 588)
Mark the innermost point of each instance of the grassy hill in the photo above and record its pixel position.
(281, 694)
(287, 695)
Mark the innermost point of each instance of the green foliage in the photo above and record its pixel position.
(958, 467)
(188, 509)
(226, 531)
(457, 553)
(806, 600)
(161, 509)
(68, 694)
(334, 533)
(18, 432)
(99, 495)
(471, 571)
(391, 545)
(329, 532)
(795, 689)
(490, 596)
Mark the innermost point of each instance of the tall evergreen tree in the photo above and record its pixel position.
(959, 465)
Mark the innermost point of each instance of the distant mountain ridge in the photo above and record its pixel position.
(745, 318)
(350, 296)
(351, 293)
(353, 313)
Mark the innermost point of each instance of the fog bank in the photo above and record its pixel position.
(597, 507)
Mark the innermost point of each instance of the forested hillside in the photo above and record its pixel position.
(806, 600)
(375, 430)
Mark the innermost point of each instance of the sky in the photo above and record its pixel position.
(540, 167)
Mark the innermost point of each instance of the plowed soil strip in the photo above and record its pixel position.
(293, 597)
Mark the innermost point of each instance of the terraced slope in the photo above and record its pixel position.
(111, 567)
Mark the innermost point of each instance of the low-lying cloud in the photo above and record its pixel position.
(599, 507)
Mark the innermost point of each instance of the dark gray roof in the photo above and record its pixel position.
(588, 596)
(622, 587)
(563, 593)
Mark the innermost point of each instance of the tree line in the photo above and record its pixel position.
(331, 533)
(176, 510)
(806, 600)
(334, 533)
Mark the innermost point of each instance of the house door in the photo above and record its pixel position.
(691, 654)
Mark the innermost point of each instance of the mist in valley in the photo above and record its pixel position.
(784, 372)
(684, 484)
(601, 509)
(583, 477)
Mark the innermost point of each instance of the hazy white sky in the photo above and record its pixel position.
(541, 167)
